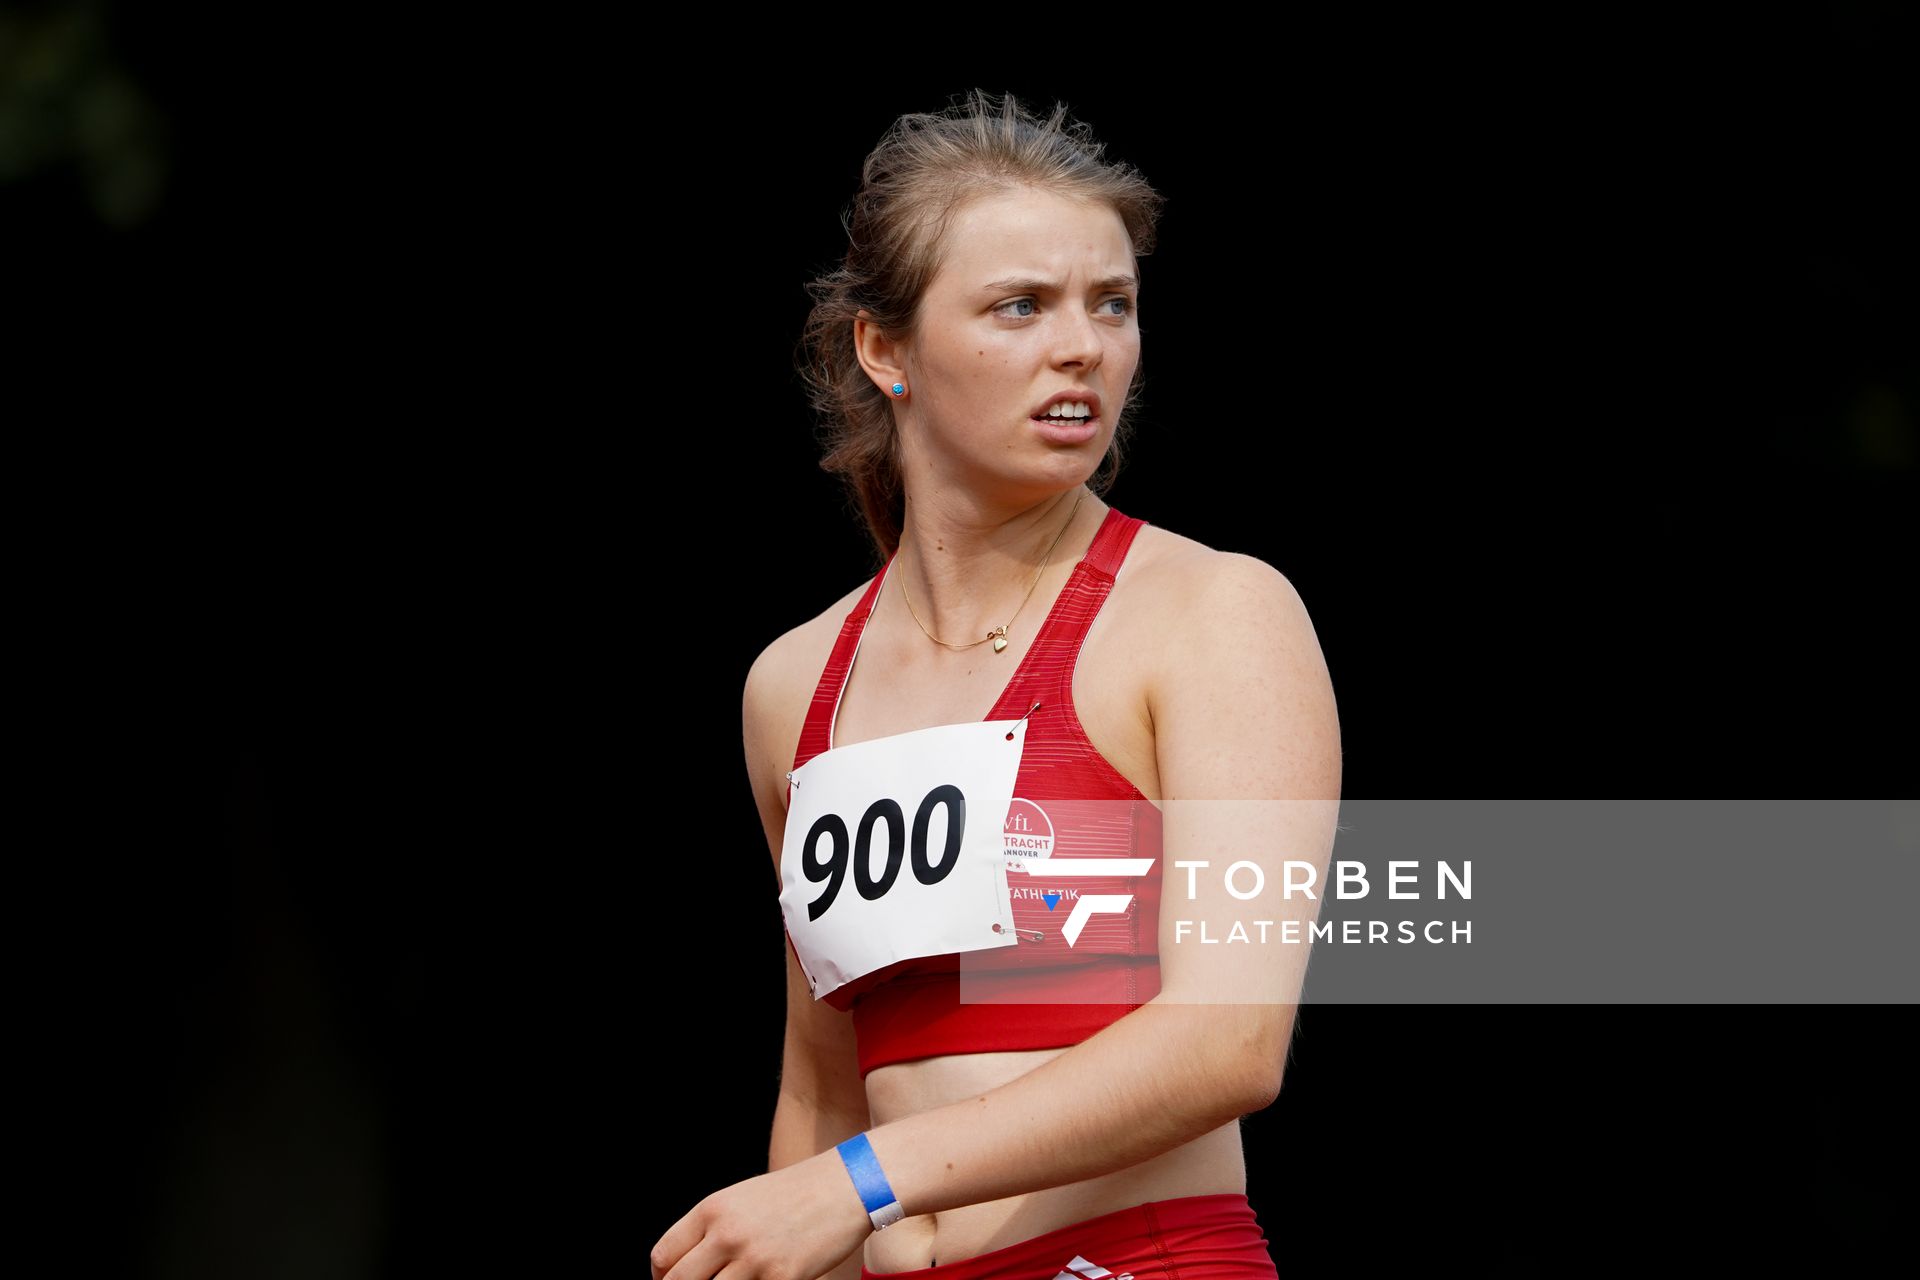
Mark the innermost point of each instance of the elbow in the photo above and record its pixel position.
(1261, 1086)
(1245, 1081)
(1260, 1064)
(1245, 1053)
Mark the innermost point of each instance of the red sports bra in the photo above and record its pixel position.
(1069, 801)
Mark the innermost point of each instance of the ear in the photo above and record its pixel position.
(882, 357)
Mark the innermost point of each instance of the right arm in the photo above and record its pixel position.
(822, 1101)
(818, 1108)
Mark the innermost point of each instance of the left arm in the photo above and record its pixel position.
(1243, 711)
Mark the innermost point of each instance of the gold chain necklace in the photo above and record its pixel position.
(999, 634)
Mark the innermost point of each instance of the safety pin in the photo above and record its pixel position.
(1030, 710)
(1033, 935)
(790, 781)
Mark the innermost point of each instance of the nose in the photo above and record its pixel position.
(1076, 338)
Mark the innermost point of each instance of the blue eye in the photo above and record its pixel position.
(1126, 307)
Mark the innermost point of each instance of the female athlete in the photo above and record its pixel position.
(974, 358)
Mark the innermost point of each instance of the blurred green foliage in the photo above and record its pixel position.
(69, 111)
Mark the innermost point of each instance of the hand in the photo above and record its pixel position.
(796, 1223)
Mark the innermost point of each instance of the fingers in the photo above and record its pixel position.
(667, 1250)
(704, 1261)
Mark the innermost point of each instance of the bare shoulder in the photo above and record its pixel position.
(1232, 657)
(779, 686)
(1172, 575)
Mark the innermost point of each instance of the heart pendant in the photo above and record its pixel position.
(1000, 641)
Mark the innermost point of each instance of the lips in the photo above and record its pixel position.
(1067, 430)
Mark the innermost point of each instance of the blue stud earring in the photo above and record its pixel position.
(899, 390)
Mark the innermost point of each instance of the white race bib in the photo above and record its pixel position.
(894, 850)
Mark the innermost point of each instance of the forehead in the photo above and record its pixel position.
(1027, 232)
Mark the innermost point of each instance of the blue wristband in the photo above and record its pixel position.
(868, 1179)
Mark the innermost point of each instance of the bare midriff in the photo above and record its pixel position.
(1210, 1164)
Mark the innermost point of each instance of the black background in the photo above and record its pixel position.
(449, 472)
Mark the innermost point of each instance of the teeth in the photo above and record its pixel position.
(1069, 409)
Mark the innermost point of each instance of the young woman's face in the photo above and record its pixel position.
(1037, 296)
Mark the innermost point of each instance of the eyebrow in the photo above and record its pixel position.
(1032, 285)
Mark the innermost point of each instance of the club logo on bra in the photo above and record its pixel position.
(1028, 834)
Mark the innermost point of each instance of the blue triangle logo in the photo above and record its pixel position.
(1053, 900)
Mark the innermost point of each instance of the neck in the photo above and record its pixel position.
(966, 568)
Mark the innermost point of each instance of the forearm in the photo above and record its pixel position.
(802, 1129)
(1156, 1079)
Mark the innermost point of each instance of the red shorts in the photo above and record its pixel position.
(1211, 1237)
